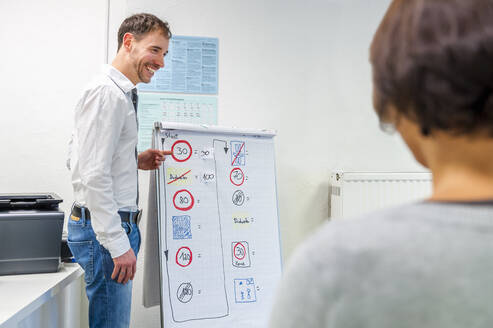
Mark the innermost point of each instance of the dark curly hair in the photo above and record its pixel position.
(140, 24)
(433, 61)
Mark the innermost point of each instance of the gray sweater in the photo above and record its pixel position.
(419, 265)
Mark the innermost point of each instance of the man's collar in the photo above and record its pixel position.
(120, 80)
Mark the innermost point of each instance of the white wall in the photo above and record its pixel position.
(50, 49)
(300, 67)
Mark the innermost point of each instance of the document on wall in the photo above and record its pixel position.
(191, 66)
(156, 107)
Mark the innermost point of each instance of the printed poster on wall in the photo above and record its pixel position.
(157, 107)
(191, 66)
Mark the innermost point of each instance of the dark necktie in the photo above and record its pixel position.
(135, 101)
(135, 98)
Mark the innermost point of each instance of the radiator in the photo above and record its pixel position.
(355, 193)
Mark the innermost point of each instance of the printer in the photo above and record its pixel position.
(31, 228)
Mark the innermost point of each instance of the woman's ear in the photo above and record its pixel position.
(413, 136)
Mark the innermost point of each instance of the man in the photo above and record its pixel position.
(426, 264)
(103, 233)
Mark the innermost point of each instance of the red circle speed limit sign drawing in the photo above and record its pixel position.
(237, 177)
(181, 150)
(183, 256)
(239, 251)
(183, 200)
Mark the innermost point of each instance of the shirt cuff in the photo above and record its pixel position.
(118, 246)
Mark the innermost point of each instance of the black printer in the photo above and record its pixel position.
(30, 233)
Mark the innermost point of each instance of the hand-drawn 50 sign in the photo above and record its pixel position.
(183, 200)
(181, 150)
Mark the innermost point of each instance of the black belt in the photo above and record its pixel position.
(126, 216)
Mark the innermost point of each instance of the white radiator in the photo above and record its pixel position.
(354, 193)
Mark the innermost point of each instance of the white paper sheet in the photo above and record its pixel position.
(220, 246)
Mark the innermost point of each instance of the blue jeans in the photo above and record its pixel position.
(109, 301)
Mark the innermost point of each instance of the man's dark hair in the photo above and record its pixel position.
(141, 24)
(433, 61)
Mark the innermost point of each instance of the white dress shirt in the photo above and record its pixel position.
(102, 156)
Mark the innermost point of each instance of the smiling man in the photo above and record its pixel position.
(103, 227)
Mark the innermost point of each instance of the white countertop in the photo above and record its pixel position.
(22, 294)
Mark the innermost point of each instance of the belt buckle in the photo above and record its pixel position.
(138, 217)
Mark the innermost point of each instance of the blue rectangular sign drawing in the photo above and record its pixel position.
(245, 291)
(181, 227)
(237, 153)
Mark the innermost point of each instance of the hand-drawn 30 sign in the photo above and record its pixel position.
(181, 150)
(183, 200)
(239, 251)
